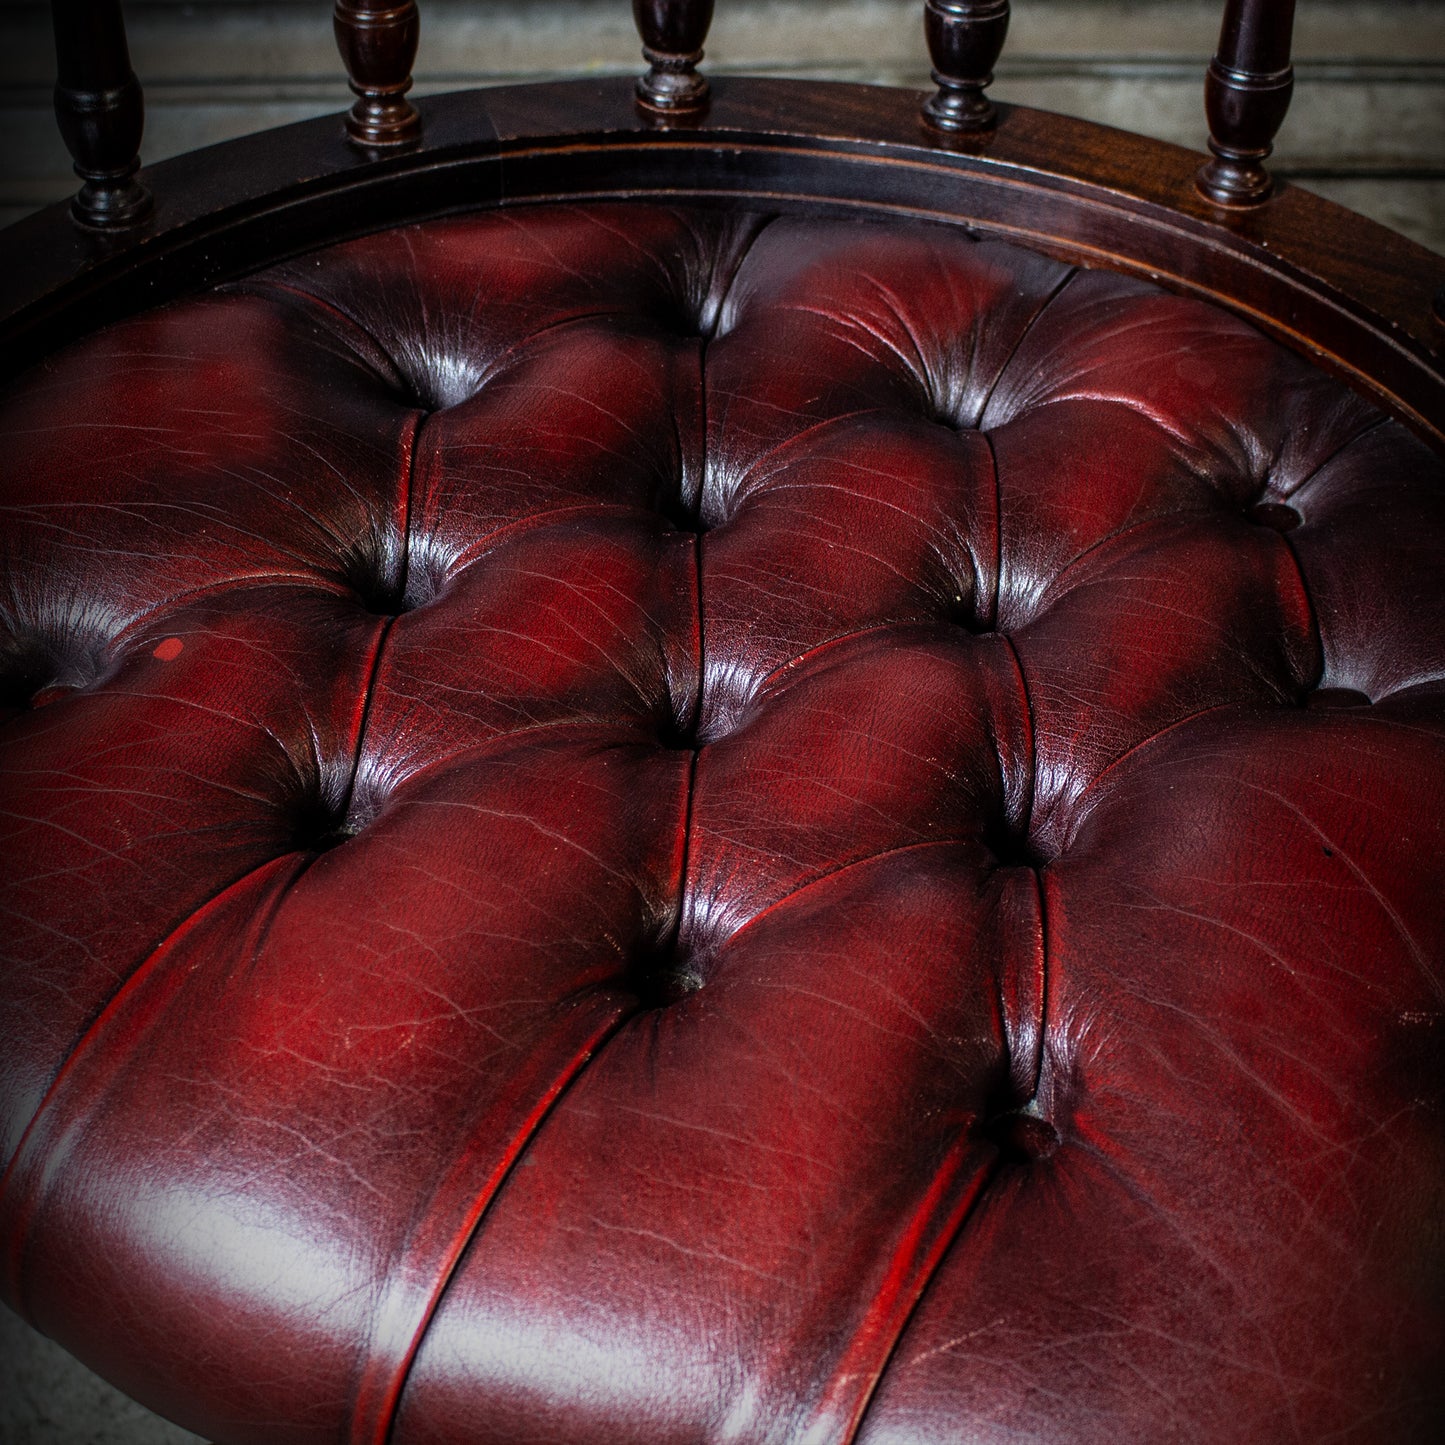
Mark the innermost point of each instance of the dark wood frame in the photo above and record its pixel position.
(1355, 296)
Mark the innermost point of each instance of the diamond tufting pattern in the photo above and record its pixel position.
(626, 824)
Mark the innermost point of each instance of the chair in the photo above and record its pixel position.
(738, 761)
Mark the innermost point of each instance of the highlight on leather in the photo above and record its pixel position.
(633, 824)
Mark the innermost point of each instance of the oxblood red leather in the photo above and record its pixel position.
(626, 825)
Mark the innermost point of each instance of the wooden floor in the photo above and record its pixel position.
(1367, 128)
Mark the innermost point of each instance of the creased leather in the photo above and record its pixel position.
(624, 824)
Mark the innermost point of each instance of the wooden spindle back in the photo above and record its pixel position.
(101, 112)
(1246, 94)
(99, 105)
(673, 32)
(965, 39)
(378, 40)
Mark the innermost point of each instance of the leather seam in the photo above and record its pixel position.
(1044, 979)
(988, 1175)
(1316, 633)
(492, 1189)
(316, 582)
(374, 672)
(767, 221)
(1333, 457)
(510, 358)
(474, 552)
(779, 676)
(759, 473)
(991, 619)
(1026, 821)
(91, 1038)
(671, 943)
(1317, 637)
(686, 862)
(1050, 596)
(408, 488)
(593, 729)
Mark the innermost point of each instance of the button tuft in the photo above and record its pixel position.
(683, 321)
(663, 974)
(1023, 1138)
(36, 671)
(25, 682)
(1274, 515)
(960, 612)
(1331, 698)
(1010, 846)
(669, 504)
(376, 574)
(317, 826)
(677, 736)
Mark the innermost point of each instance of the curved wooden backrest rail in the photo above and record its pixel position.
(1351, 293)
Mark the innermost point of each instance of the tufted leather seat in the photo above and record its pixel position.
(639, 825)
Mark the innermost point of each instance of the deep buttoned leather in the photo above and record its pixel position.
(635, 825)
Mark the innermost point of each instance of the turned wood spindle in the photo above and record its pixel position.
(1246, 95)
(101, 112)
(965, 39)
(672, 34)
(378, 40)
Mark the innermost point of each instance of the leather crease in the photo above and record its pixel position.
(856, 1088)
(457, 1210)
(102, 1053)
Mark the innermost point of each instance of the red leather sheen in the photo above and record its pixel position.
(625, 825)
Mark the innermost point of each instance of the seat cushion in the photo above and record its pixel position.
(641, 825)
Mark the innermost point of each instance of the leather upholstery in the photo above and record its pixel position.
(628, 825)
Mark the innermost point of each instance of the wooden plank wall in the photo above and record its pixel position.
(1367, 126)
